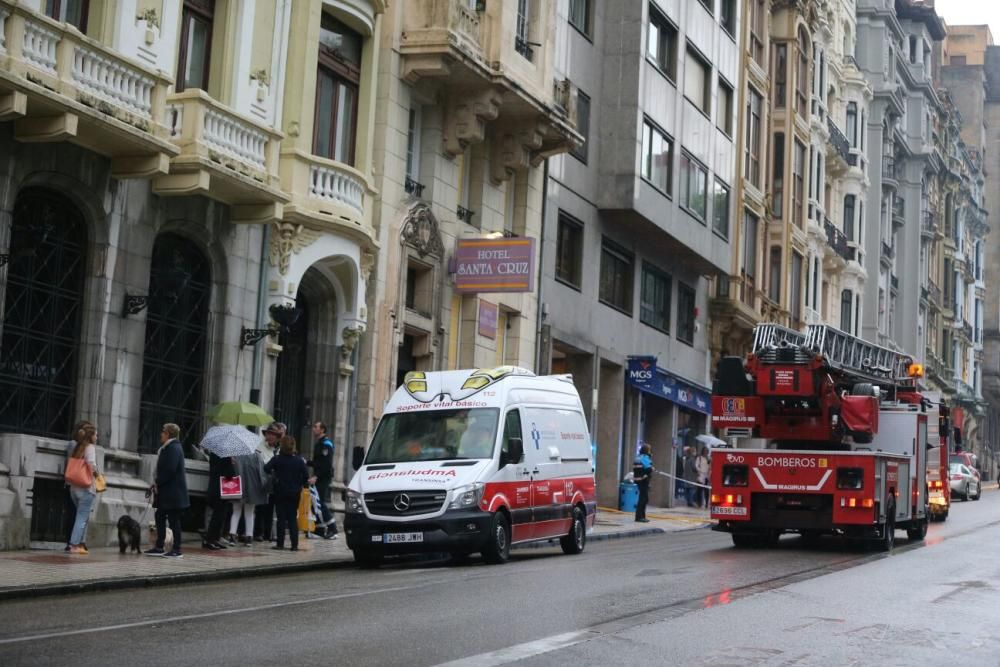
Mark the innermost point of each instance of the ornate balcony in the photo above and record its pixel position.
(841, 146)
(838, 241)
(225, 156)
(328, 195)
(490, 79)
(890, 175)
(59, 85)
(898, 211)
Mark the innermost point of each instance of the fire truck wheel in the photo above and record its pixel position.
(888, 531)
(918, 532)
(574, 541)
(497, 549)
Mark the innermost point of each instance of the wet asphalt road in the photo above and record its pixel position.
(683, 598)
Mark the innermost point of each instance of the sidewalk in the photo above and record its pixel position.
(37, 572)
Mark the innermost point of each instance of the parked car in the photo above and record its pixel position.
(968, 459)
(964, 482)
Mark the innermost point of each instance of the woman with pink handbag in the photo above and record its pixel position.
(80, 468)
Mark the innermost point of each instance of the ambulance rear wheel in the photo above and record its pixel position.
(497, 549)
(573, 542)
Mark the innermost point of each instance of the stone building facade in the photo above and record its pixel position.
(173, 173)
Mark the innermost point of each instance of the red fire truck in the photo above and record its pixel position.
(844, 432)
(938, 491)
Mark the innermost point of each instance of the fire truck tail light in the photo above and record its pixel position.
(853, 502)
(716, 498)
(868, 503)
(729, 499)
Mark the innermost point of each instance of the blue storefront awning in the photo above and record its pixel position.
(646, 376)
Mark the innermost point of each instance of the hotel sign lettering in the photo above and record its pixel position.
(495, 265)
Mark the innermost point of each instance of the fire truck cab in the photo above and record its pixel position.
(846, 435)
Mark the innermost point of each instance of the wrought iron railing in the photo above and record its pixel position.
(838, 240)
(838, 139)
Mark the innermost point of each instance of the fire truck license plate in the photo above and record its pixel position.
(397, 538)
(734, 511)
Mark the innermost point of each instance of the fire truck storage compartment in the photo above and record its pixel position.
(792, 511)
(860, 414)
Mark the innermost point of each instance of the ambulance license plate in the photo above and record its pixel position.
(733, 511)
(402, 538)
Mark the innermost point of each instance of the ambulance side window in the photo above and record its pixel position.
(511, 429)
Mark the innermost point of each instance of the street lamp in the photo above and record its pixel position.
(170, 283)
(285, 316)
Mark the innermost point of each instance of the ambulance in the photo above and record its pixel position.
(474, 461)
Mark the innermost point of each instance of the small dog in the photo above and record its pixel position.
(129, 534)
(168, 543)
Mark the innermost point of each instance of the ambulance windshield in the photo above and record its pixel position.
(435, 435)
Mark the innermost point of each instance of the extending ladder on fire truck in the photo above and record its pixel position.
(842, 351)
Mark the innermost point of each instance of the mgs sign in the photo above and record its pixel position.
(641, 371)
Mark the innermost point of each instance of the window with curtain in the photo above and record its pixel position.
(337, 83)
(697, 80)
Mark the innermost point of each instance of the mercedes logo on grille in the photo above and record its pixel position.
(401, 502)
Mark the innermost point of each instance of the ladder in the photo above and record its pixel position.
(841, 351)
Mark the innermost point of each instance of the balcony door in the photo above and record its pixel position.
(337, 82)
(195, 50)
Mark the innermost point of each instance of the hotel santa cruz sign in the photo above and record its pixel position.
(494, 265)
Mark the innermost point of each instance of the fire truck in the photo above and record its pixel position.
(938, 489)
(845, 439)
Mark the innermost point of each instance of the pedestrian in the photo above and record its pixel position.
(169, 491)
(265, 513)
(250, 468)
(218, 467)
(322, 466)
(290, 477)
(642, 473)
(69, 505)
(690, 475)
(703, 467)
(83, 495)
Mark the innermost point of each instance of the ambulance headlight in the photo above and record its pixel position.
(355, 503)
(466, 496)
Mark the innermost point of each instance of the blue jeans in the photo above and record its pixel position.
(84, 499)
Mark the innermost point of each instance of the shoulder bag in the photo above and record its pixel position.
(78, 473)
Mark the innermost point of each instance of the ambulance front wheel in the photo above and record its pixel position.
(497, 549)
(574, 541)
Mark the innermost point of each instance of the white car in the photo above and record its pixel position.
(964, 482)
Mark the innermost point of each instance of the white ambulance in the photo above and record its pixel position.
(474, 461)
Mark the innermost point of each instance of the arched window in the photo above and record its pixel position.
(173, 362)
(43, 301)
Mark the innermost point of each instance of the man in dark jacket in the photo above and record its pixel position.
(322, 465)
(170, 493)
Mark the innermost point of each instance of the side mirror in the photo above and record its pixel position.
(357, 457)
(516, 448)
